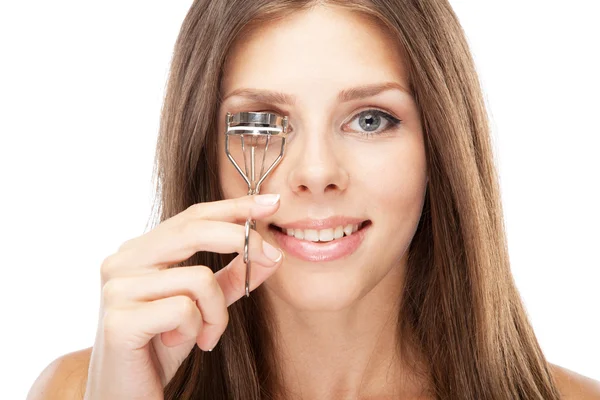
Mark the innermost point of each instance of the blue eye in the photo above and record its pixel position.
(370, 121)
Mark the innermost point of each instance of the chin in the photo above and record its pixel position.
(316, 292)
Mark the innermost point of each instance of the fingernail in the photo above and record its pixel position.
(266, 199)
(271, 252)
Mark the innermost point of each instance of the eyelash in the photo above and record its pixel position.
(393, 122)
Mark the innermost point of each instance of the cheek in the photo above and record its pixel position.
(394, 179)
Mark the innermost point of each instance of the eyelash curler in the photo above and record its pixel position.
(254, 130)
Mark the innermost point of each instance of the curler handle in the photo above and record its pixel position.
(250, 224)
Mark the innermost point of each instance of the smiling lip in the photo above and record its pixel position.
(321, 251)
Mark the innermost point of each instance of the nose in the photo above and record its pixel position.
(317, 169)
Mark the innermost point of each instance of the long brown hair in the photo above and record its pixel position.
(460, 307)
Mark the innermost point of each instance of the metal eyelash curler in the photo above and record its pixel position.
(255, 131)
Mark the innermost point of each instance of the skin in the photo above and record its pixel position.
(338, 338)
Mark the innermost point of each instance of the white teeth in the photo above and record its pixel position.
(311, 235)
(324, 235)
(348, 229)
(339, 232)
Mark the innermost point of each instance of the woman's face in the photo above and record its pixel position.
(345, 161)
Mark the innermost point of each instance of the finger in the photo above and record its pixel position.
(133, 327)
(234, 210)
(168, 248)
(232, 278)
(197, 282)
(231, 210)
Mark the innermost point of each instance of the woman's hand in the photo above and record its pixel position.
(151, 316)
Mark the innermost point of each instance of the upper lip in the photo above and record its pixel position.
(318, 224)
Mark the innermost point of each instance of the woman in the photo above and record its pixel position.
(388, 135)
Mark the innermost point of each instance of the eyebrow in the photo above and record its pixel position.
(359, 92)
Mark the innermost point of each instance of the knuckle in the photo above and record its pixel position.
(107, 267)
(190, 226)
(186, 306)
(125, 245)
(197, 210)
(204, 275)
(109, 290)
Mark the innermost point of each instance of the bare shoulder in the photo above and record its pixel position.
(64, 378)
(572, 385)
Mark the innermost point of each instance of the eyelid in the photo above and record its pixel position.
(372, 108)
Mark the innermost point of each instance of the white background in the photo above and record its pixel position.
(81, 85)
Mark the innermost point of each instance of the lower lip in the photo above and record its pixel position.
(321, 251)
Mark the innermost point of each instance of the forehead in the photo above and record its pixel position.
(313, 53)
